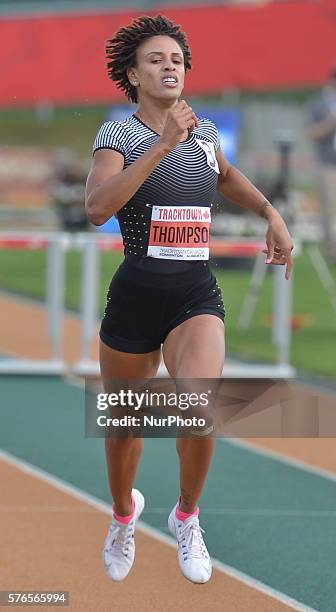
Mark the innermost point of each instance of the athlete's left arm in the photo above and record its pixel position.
(232, 184)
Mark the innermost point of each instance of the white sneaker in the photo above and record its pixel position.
(194, 559)
(119, 548)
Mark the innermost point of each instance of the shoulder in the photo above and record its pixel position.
(113, 135)
(206, 124)
(114, 128)
(207, 130)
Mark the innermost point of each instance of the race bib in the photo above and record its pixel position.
(179, 232)
(209, 149)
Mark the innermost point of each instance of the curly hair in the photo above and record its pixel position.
(121, 49)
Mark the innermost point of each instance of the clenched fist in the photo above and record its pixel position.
(179, 119)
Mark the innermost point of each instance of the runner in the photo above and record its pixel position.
(158, 172)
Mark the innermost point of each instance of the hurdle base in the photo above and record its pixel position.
(231, 370)
(86, 367)
(25, 366)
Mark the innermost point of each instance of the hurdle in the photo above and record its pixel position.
(90, 245)
(55, 244)
(282, 308)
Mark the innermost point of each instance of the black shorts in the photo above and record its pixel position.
(142, 309)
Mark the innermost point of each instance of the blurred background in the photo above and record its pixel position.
(265, 73)
(262, 72)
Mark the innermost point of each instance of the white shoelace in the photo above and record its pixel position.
(120, 537)
(191, 540)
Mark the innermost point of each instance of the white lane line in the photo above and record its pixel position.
(96, 503)
(270, 454)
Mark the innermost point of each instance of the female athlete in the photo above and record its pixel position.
(158, 172)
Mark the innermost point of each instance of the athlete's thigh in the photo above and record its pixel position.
(196, 348)
(119, 365)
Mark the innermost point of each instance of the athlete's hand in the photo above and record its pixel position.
(279, 244)
(179, 119)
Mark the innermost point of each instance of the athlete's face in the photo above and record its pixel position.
(160, 69)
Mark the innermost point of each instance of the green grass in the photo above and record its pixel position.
(75, 127)
(71, 127)
(313, 346)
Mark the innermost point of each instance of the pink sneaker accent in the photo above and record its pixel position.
(182, 516)
(124, 520)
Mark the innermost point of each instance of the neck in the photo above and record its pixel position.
(154, 115)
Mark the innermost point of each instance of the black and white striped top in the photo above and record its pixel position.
(183, 177)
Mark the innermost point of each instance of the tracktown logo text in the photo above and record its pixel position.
(131, 399)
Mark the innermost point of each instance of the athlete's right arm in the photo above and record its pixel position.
(109, 187)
